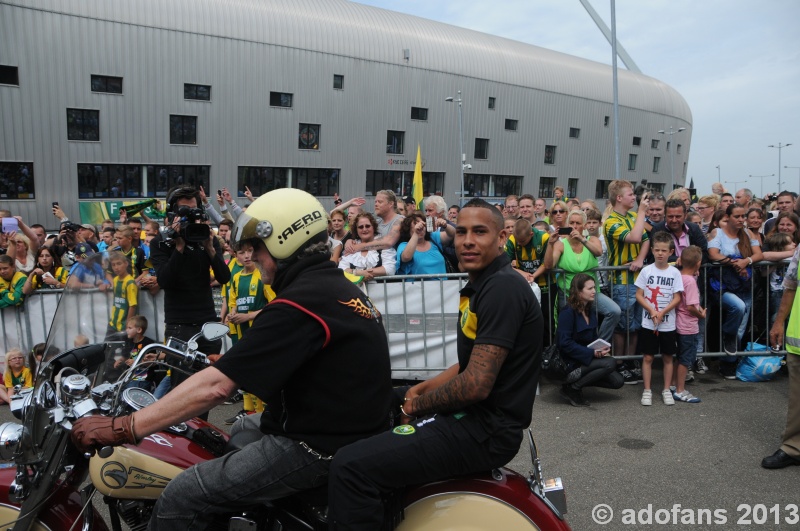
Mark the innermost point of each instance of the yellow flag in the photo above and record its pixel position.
(416, 189)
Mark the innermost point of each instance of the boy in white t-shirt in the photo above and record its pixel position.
(658, 289)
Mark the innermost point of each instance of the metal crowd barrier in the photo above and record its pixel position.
(420, 314)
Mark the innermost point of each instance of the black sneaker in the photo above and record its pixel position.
(729, 343)
(727, 370)
(628, 377)
(236, 417)
(637, 373)
(700, 366)
(573, 396)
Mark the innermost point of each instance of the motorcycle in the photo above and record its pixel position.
(47, 488)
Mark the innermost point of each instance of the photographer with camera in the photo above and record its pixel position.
(182, 254)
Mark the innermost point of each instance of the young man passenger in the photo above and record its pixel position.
(486, 397)
(658, 292)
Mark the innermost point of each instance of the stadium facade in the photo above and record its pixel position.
(116, 100)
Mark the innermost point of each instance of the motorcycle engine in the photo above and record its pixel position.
(136, 514)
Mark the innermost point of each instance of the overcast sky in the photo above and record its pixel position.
(736, 62)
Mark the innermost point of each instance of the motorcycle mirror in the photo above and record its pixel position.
(214, 331)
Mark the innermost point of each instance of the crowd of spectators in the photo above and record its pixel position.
(556, 248)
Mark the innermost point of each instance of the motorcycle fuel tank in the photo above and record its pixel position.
(130, 474)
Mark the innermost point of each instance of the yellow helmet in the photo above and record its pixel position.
(285, 219)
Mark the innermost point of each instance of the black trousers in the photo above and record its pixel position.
(439, 447)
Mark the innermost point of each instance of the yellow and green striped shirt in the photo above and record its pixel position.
(616, 228)
(126, 294)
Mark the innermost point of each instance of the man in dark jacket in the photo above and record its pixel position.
(317, 354)
(684, 234)
(183, 272)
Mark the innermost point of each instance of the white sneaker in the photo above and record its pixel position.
(647, 397)
(689, 376)
(666, 396)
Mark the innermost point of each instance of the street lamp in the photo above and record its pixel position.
(793, 168)
(719, 176)
(779, 147)
(734, 183)
(671, 153)
(761, 182)
(463, 161)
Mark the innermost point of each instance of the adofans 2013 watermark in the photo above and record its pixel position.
(745, 514)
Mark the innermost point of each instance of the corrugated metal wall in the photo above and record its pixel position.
(57, 53)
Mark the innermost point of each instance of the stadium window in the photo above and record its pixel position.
(83, 124)
(572, 188)
(9, 75)
(656, 163)
(657, 188)
(280, 99)
(637, 141)
(546, 185)
(182, 129)
(136, 180)
(483, 185)
(511, 125)
(338, 81)
(481, 148)
(196, 92)
(605, 121)
(16, 180)
(107, 84)
(492, 101)
(308, 136)
(395, 142)
(574, 132)
(432, 182)
(419, 113)
(654, 143)
(668, 143)
(601, 189)
(632, 162)
(678, 149)
(549, 156)
(260, 180)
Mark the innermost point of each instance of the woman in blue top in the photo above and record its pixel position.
(420, 251)
(577, 328)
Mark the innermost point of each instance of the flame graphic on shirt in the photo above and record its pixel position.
(367, 310)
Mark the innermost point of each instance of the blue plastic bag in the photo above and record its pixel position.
(758, 368)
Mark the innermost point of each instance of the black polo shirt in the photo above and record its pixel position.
(499, 308)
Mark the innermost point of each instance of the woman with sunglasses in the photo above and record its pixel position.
(368, 264)
(578, 254)
(558, 215)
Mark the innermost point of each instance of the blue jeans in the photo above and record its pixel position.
(630, 312)
(735, 312)
(270, 468)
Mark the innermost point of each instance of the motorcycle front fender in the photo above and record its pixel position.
(62, 510)
(481, 501)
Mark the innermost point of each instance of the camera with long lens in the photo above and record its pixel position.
(190, 229)
(70, 226)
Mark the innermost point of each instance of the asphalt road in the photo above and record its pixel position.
(701, 456)
(630, 457)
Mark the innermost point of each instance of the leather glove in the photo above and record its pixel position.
(94, 432)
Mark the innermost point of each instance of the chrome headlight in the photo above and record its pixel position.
(10, 434)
